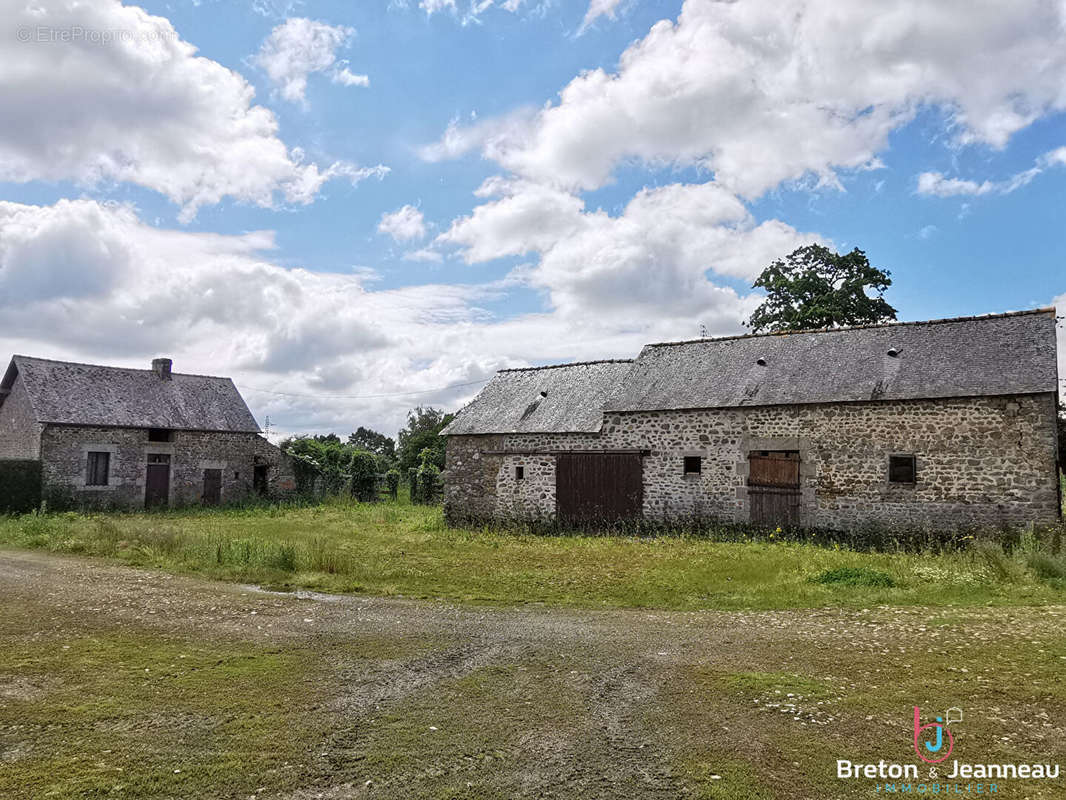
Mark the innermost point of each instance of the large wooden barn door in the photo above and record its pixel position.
(598, 487)
(774, 487)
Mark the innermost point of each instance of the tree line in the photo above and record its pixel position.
(367, 453)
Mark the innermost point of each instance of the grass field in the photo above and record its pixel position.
(395, 548)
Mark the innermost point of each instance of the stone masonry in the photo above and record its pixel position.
(985, 461)
(64, 452)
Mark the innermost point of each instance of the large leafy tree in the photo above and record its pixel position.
(421, 432)
(814, 287)
(373, 442)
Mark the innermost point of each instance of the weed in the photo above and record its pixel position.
(1046, 567)
(854, 576)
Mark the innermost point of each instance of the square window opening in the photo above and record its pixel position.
(160, 435)
(519, 473)
(902, 469)
(97, 469)
(693, 465)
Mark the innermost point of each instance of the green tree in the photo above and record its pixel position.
(373, 442)
(814, 287)
(422, 431)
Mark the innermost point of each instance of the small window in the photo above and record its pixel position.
(97, 469)
(160, 435)
(519, 473)
(901, 469)
(693, 465)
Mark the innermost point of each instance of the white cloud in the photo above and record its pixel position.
(346, 77)
(138, 107)
(403, 224)
(928, 232)
(938, 185)
(491, 136)
(652, 259)
(764, 93)
(91, 281)
(433, 6)
(424, 254)
(299, 47)
(470, 12)
(597, 9)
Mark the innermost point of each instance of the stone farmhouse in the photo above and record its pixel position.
(941, 425)
(129, 438)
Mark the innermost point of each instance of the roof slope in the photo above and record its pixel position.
(969, 356)
(86, 394)
(572, 403)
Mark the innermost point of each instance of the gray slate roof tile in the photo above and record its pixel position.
(512, 402)
(86, 394)
(965, 357)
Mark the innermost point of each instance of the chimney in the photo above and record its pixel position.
(161, 367)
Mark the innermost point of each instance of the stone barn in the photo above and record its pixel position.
(108, 437)
(942, 425)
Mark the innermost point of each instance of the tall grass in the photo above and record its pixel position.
(397, 548)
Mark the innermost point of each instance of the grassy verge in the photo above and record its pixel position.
(399, 549)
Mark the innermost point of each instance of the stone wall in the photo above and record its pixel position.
(64, 453)
(980, 461)
(20, 434)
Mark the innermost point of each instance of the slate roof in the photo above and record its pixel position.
(86, 394)
(968, 356)
(512, 402)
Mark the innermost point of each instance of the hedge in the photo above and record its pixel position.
(20, 486)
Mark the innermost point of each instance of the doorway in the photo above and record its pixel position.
(599, 487)
(259, 479)
(212, 495)
(774, 487)
(157, 481)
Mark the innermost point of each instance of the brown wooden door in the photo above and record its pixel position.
(157, 485)
(774, 487)
(598, 487)
(212, 495)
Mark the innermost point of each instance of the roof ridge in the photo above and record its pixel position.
(121, 369)
(573, 364)
(973, 318)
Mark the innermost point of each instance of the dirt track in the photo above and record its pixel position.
(622, 670)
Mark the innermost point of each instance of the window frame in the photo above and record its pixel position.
(893, 460)
(520, 472)
(687, 461)
(92, 467)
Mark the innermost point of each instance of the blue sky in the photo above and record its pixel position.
(354, 208)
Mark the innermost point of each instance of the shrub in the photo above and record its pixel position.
(20, 486)
(363, 469)
(392, 482)
(854, 576)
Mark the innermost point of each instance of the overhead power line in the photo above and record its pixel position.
(363, 396)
